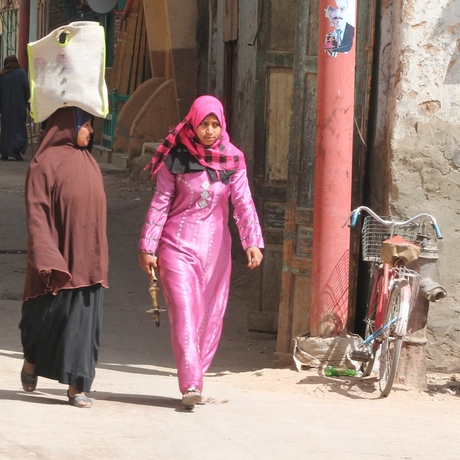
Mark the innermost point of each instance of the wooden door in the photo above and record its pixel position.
(284, 157)
(294, 309)
(274, 80)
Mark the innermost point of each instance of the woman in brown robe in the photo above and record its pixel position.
(67, 258)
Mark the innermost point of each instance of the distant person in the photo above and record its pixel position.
(186, 235)
(14, 101)
(67, 258)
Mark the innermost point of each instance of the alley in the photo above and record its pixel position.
(252, 410)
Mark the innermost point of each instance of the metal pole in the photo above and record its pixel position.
(334, 151)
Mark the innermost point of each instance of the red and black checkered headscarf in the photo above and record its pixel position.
(221, 156)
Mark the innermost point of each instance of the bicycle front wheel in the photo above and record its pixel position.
(396, 318)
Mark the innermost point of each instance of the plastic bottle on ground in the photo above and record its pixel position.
(332, 371)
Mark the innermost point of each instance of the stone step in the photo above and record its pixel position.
(104, 157)
(112, 162)
(149, 148)
(101, 154)
(120, 159)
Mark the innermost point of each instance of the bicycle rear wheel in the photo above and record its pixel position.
(396, 317)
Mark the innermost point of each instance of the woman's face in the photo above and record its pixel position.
(208, 131)
(84, 134)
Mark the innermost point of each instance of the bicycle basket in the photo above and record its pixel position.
(373, 233)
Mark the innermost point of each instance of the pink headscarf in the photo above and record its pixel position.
(221, 156)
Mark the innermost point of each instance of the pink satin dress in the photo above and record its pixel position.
(187, 228)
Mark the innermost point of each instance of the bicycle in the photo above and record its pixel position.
(390, 245)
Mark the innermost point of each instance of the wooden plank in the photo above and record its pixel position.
(230, 29)
(122, 64)
(131, 50)
(279, 120)
(120, 46)
(140, 75)
(159, 38)
(292, 265)
(282, 17)
(135, 56)
(159, 45)
(301, 305)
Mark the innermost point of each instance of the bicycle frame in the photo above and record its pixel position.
(375, 317)
(385, 276)
(379, 332)
(389, 306)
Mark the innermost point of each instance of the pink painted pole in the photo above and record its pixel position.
(334, 152)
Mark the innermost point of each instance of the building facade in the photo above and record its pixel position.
(260, 58)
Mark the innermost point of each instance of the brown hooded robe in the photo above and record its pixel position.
(66, 213)
(66, 220)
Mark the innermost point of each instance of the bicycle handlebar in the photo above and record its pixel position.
(389, 223)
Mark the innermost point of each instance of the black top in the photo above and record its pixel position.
(181, 161)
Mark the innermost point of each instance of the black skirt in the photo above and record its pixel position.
(60, 334)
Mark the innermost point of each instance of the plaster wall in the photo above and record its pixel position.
(420, 54)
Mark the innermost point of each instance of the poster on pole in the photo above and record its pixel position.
(341, 16)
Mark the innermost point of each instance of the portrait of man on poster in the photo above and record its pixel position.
(340, 40)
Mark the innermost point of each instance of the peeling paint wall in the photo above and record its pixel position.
(420, 55)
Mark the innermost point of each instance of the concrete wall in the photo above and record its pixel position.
(417, 147)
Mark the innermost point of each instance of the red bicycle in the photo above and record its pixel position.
(390, 245)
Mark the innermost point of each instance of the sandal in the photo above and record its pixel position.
(191, 397)
(80, 400)
(29, 381)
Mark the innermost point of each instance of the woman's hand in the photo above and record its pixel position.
(254, 256)
(147, 262)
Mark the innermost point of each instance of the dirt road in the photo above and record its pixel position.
(252, 410)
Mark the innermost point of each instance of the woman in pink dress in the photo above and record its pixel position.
(186, 235)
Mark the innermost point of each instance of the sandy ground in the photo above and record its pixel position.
(252, 412)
